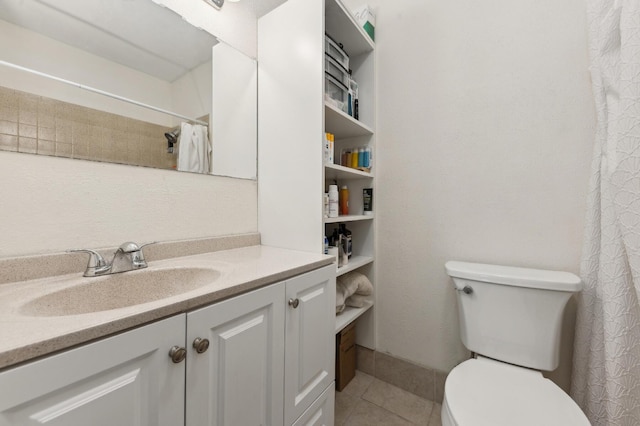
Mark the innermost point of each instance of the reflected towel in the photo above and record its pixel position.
(194, 150)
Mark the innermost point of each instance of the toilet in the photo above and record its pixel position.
(510, 318)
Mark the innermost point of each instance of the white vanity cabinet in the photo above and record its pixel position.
(127, 379)
(269, 361)
(310, 340)
(238, 380)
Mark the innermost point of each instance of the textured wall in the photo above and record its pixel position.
(485, 124)
(51, 204)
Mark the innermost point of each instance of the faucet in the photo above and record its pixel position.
(128, 257)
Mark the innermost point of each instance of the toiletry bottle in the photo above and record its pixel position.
(325, 204)
(325, 148)
(331, 147)
(361, 157)
(344, 200)
(333, 200)
(346, 238)
(354, 158)
(365, 157)
(367, 201)
(326, 245)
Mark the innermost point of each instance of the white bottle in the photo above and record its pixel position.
(333, 200)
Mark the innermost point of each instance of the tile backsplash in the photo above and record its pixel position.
(39, 125)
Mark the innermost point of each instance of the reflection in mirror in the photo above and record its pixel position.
(134, 49)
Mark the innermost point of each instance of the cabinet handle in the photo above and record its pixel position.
(201, 345)
(294, 303)
(177, 354)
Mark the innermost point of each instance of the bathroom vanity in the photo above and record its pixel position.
(251, 343)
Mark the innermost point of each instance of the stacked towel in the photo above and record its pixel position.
(351, 290)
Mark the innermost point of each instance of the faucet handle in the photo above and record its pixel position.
(135, 251)
(130, 246)
(95, 264)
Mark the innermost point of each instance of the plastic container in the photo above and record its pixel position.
(344, 200)
(336, 93)
(333, 201)
(336, 70)
(334, 50)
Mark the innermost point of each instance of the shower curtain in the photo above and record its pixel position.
(606, 371)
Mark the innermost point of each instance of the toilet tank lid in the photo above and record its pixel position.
(519, 277)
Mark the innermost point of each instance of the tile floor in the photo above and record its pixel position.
(367, 401)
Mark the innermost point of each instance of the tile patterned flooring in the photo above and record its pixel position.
(367, 401)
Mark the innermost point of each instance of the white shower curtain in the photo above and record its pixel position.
(606, 372)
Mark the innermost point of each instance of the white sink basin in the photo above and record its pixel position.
(119, 291)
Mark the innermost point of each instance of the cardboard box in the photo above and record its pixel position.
(345, 356)
(366, 19)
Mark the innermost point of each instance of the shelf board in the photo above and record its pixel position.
(350, 314)
(347, 218)
(354, 263)
(335, 171)
(342, 125)
(343, 28)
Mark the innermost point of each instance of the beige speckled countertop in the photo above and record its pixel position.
(24, 337)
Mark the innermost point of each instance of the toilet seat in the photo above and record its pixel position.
(482, 392)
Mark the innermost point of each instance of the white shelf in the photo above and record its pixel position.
(343, 28)
(354, 263)
(350, 314)
(335, 171)
(342, 125)
(347, 218)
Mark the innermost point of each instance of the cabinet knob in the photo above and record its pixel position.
(294, 303)
(201, 345)
(177, 354)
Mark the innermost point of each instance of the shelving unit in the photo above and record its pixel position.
(293, 118)
(350, 133)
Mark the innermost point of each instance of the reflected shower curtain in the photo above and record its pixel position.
(606, 371)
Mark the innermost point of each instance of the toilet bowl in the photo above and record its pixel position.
(511, 318)
(485, 392)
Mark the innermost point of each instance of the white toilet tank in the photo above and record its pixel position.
(512, 314)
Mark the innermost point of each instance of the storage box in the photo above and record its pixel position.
(333, 49)
(336, 70)
(366, 19)
(345, 356)
(336, 93)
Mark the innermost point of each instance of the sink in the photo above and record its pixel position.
(119, 291)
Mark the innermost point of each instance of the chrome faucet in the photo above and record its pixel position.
(128, 257)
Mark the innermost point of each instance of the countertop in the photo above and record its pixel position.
(25, 336)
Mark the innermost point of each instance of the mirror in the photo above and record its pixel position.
(114, 76)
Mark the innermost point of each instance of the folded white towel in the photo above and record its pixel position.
(194, 149)
(340, 298)
(356, 301)
(356, 283)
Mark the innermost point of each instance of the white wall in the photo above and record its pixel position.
(485, 123)
(53, 204)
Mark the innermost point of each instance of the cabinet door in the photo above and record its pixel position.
(321, 412)
(126, 380)
(310, 339)
(238, 381)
